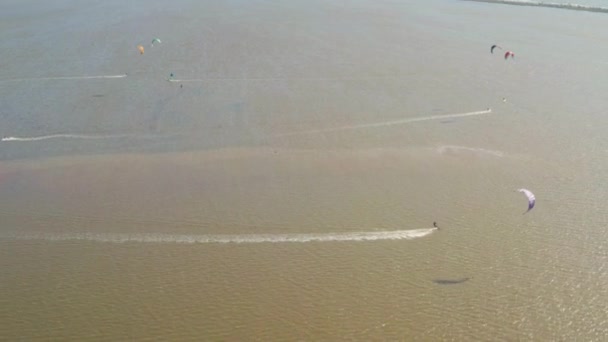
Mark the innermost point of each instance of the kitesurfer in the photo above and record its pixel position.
(435, 225)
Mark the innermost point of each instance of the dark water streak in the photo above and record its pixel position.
(450, 281)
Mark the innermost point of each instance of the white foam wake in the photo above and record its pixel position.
(391, 123)
(242, 238)
(569, 6)
(65, 78)
(63, 136)
(280, 79)
(476, 150)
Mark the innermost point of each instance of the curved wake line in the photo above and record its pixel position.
(391, 123)
(454, 148)
(244, 238)
(64, 78)
(64, 136)
(573, 7)
(282, 79)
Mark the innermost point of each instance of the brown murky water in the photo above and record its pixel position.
(288, 190)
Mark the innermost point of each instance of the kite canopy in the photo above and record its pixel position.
(531, 198)
(509, 53)
(141, 49)
(155, 40)
(494, 47)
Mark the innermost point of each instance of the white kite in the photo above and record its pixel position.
(531, 198)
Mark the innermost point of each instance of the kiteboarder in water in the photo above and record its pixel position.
(435, 224)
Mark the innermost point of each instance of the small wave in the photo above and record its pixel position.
(64, 78)
(573, 7)
(63, 136)
(391, 123)
(243, 238)
(476, 150)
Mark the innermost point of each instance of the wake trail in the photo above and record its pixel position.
(570, 6)
(65, 78)
(390, 123)
(63, 136)
(281, 79)
(223, 239)
(476, 150)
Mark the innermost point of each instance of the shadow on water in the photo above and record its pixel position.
(450, 281)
